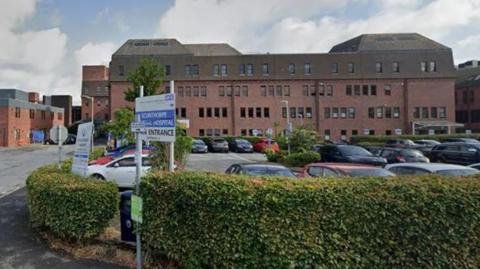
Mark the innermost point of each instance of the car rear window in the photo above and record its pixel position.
(370, 172)
(458, 172)
(412, 153)
(354, 151)
(219, 140)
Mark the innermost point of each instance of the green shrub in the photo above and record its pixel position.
(272, 156)
(381, 139)
(302, 139)
(71, 207)
(219, 221)
(97, 153)
(300, 159)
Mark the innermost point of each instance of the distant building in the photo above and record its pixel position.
(76, 113)
(467, 97)
(21, 115)
(95, 84)
(469, 64)
(63, 101)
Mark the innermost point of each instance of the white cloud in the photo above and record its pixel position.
(95, 53)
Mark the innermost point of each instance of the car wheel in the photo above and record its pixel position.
(98, 176)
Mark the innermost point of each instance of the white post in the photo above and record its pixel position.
(93, 123)
(138, 157)
(288, 125)
(413, 128)
(171, 158)
(59, 137)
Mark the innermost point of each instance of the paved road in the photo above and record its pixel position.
(219, 162)
(17, 163)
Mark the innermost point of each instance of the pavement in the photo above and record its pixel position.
(219, 162)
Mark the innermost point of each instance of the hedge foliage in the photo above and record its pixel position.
(218, 221)
(71, 207)
(301, 159)
(381, 139)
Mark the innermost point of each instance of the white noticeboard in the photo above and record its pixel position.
(398, 131)
(468, 131)
(82, 149)
(157, 115)
(431, 132)
(54, 132)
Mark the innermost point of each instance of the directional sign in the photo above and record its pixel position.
(157, 114)
(398, 131)
(137, 127)
(82, 149)
(54, 133)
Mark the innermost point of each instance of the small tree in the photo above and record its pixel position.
(120, 127)
(302, 139)
(148, 74)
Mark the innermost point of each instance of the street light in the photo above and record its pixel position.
(91, 115)
(288, 124)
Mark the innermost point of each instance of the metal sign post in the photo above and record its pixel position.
(171, 163)
(60, 142)
(138, 160)
(58, 134)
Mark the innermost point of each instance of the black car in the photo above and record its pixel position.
(375, 150)
(198, 146)
(398, 155)
(350, 154)
(260, 169)
(426, 145)
(240, 145)
(464, 140)
(457, 153)
(401, 143)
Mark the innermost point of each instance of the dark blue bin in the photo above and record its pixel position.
(126, 223)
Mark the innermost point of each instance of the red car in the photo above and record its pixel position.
(107, 159)
(263, 144)
(343, 169)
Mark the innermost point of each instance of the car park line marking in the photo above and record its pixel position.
(239, 158)
(10, 191)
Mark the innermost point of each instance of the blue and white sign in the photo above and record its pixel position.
(82, 149)
(157, 115)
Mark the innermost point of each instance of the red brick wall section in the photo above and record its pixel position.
(469, 106)
(94, 72)
(101, 108)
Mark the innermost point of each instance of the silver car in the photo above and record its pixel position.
(431, 168)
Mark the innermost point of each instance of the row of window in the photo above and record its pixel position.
(366, 90)
(181, 113)
(430, 113)
(297, 112)
(339, 112)
(468, 97)
(384, 112)
(192, 91)
(254, 112)
(248, 69)
(465, 116)
(355, 132)
(43, 114)
(215, 112)
(235, 90)
(309, 90)
(212, 132)
(99, 102)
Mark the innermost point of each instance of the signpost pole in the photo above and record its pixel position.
(59, 137)
(138, 157)
(171, 152)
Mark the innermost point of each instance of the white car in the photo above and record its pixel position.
(121, 171)
(431, 168)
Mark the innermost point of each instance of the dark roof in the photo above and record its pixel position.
(388, 42)
(213, 49)
(468, 77)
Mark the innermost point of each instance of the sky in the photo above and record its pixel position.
(44, 43)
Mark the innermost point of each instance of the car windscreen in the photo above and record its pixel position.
(242, 141)
(198, 142)
(458, 172)
(378, 172)
(354, 151)
(412, 153)
(219, 140)
(264, 171)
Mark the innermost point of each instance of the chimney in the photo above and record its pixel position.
(33, 97)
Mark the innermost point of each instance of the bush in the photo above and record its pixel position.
(71, 207)
(272, 156)
(381, 139)
(302, 139)
(300, 159)
(97, 153)
(218, 221)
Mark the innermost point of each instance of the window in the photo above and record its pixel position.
(307, 69)
(168, 70)
(291, 69)
(343, 132)
(121, 70)
(266, 112)
(365, 90)
(423, 66)
(425, 112)
(371, 112)
(379, 67)
(224, 70)
(327, 113)
(465, 97)
(335, 112)
(442, 112)
(308, 112)
(348, 90)
(225, 132)
(265, 70)
(432, 66)
(284, 112)
(196, 91)
(416, 113)
(286, 90)
(373, 89)
(32, 114)
(263, 90)
(243, 132)
(209, 112)
(356, 90)
(388, 112)
(334, 68)
(388, 132)
(249, 69)
(195, 71)
(343, 112)
(329, 90)
(475, 115)
(243, 112)
(229, 90)
(237, 90)
(301, 112)
(396, 112)
(201, 132)
(188, 91)
(216, 112)
(216, 70)
(354, 132)
(271, 90)
(379, 112)
(471, 97)
(305, 90)
(17, 112)
(351, 68)
(180, 91)
(351, 113)
(387, 89)
(250, 112)
(188, 70)
(203, 90)
(221, 91)
(241, 69)
(433, 112)
(258, 112)
(209, 132)
(216, 132)
(244, 90)
(396, 67)
(201, 112)
(293, 112)
(279, 90)
(183, 112)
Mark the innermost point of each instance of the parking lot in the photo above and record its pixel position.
(219, 162)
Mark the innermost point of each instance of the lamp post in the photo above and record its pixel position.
(288, 125)
(91, 115)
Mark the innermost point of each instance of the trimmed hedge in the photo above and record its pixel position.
(217, 221)
(381, 139)
(71, 207)
(300, 159)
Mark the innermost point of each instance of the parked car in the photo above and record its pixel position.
(431, 168)
(426, 145)
(218, 145)
(263, 144)
(458, 153)
(464, 140)
(350, 154)
(401, 143)
(375, 150)
(198, 146)
(260, 169)
(121, 171)
(400, 155)
(475, 165)
(343, 169)
(317, 147)
(240, 145)
(71, 139)
(123, 150)
(107, 159)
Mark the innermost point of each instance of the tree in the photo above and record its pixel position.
(148, 74)
(302, 139)
(120, 126)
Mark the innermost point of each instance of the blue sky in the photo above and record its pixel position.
(44, 43)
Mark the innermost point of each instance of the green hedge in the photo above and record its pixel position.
(71, 207)
(218, 221)
(300, 159)
(381, 139)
